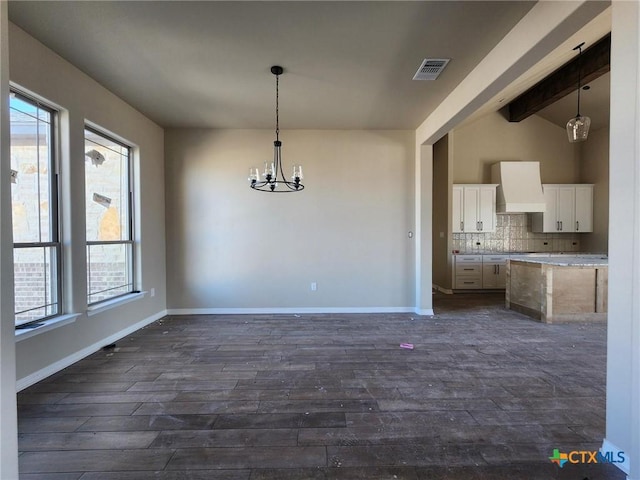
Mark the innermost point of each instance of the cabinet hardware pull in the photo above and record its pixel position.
(557, 225)
(577, 226)
(462, 226)
(560, 225)
(469, 269)
(481, 226)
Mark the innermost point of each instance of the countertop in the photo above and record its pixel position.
(565, 260)
(538, 254)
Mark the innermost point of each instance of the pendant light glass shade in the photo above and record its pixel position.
(578, 128)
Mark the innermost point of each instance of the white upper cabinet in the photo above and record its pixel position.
(458, 216)
(584, 208)
(474, 208)
(569, 209)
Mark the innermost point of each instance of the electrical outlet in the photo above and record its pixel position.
(153, 292)
(314, 286)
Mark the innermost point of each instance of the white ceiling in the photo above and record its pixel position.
(347, 64)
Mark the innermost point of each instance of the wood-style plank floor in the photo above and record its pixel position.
(485, 394)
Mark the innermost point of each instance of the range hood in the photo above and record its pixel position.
(519, 187)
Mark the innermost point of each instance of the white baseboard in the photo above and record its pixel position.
(607, 446)
(286, 310)
(424, 311)
(448, 291)
(35, 377)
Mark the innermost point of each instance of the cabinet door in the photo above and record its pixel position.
(487, 209)
(584, 208)
(489, 276)
(458, 215)
(471, 205)
(501, 276)
(566, 207)
(550, 216)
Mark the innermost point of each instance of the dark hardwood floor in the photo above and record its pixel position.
(485, 394)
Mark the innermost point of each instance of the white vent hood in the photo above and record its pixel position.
(519, 187)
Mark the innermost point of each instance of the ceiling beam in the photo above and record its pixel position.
(595, 61)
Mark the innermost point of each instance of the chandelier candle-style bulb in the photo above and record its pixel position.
(273, 179)
(254, 175)
(269, 171)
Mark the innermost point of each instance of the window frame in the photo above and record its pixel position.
(55, 220)
(130, 241)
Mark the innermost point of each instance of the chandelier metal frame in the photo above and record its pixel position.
(273, 179)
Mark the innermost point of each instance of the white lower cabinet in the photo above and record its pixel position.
(467, 272)
(494, 271)
(479, 272)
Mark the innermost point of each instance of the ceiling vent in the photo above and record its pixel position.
(431, 68)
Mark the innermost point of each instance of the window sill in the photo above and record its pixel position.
(47, 325)
(116, 302)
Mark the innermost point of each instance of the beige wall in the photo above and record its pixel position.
(492, 138)
(594, 168)
(37, 69)
(229, 247)
(8, 415)
(442, 213)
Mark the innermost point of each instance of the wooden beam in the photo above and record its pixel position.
(595, 61)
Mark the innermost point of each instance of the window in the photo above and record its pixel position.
(34, 201)
(109, 217)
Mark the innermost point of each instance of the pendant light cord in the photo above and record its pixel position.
(579, 47)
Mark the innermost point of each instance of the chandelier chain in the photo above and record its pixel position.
(277, 107)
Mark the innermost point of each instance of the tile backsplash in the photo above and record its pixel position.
(513, 234)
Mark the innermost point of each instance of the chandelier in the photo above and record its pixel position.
(272, 178)
(578, 127)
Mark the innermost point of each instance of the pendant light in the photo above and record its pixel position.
(578, 127)
(273, 179)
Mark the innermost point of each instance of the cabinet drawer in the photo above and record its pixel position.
(495, 259)
(469, 269)
(468, 259)
(471, 281)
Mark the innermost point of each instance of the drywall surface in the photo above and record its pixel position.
(594, 168)
(38, 70)
(8, 415)
(441, 233)
(623, 334)
(230, 247)
(492, 138)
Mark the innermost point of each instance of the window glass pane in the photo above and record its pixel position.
(109, 270)
(35, 283)
(31, 162)
(107, 189)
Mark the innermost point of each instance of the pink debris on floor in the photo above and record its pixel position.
(408, 346)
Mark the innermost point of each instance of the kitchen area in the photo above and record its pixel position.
(535, 230)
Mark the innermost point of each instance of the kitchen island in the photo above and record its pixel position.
(558, 289)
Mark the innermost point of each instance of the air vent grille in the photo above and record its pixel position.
(431, 68)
